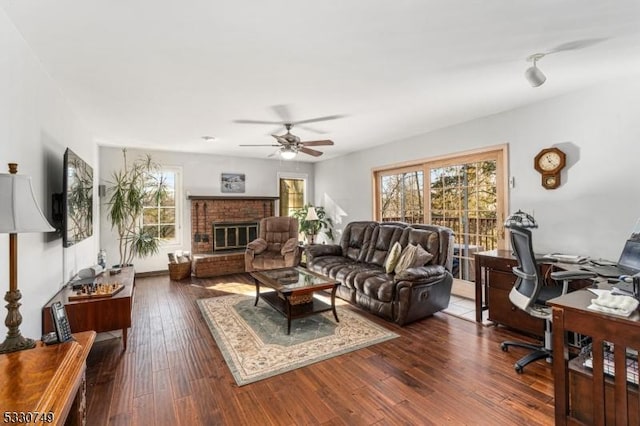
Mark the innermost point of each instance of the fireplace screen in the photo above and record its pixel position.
(233, 236)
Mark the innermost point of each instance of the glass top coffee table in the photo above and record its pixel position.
(293, 295)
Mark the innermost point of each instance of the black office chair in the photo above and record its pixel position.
(530, 294)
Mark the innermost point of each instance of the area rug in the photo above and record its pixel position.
(255, 344)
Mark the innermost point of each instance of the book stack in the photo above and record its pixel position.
(609, 366)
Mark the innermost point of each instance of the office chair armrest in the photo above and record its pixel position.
(572, 275)
(566, 276)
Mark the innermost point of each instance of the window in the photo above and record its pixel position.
(465, 192)
(160, 215)
(402, 196)
(291, 195)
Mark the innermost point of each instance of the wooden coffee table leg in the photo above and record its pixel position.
(333, 303)
(257, 291)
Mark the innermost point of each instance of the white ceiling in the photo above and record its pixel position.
(161, 74)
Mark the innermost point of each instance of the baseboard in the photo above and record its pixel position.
(152, 273)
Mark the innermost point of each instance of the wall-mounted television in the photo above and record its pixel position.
(77, 199)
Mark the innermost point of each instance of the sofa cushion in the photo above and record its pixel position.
(383, 238)
(392, 257)
(268, 260)
(376, 284)
(329, 265)
(356, 239)
(422, 256)
(427, 238)
(407, 258)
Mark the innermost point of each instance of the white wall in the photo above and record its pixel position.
(36, 126)
(594, 210)
(200, 176)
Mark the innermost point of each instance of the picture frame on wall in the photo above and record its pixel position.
(232, 183)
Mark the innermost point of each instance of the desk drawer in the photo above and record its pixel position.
(499, 264)
(501, 280)
(502, 311)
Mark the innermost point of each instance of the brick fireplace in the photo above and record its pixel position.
(220, 225)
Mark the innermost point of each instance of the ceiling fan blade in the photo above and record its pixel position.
(260, 145)
(317, 143)
(313, 120)
(257, 122)
(311, 129)
(310, 151)
(281, 140)
(283, 112)
(577, 44)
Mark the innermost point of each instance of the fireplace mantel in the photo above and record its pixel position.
(230, 197)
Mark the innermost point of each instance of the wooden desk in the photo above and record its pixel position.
(100, 315)
(47, 382)
(494, 281)
(570, 313)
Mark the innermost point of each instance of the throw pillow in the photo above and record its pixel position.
(392, 257)
(407, 258)
(422, 256)
(258, 245)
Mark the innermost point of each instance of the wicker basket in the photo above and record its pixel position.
(301, 299)
(179, 271)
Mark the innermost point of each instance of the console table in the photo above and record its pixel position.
(99, 314)
(46, 384)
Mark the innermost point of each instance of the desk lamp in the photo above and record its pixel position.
(521, 219)
(312, 216)
(19, 212)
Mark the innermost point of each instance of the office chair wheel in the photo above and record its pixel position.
(504, 347)
(518, 368)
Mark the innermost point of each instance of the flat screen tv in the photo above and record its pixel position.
(77, 199)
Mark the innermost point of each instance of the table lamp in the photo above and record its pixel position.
(312, 216)
(521, 219)
(19, 212)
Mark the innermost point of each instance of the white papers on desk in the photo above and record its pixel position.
(567, 258)
(612, 304)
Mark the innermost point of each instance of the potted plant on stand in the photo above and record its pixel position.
(312, 220)
(137, 184)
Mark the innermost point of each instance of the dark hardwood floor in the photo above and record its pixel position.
(442, 370)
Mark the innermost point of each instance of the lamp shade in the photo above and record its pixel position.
(312, 214)
(287, 153)
(19, 210)
(521, 219)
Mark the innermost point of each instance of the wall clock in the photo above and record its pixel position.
(550, 162)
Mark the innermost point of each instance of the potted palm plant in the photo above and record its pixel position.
(137, 184)
(313, 219)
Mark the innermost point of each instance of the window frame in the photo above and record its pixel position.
(177, 240)
(288, 175)
(500, 153)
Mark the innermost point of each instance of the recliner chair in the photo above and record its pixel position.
(530, 294)
(276, 246)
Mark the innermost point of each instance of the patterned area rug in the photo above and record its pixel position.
(255, 344)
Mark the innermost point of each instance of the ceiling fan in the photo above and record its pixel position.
(289, 144)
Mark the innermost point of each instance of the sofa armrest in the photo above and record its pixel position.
(290, 246)
(422, 274)
(257, 246)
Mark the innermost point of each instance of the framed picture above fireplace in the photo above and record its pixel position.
(232, 183)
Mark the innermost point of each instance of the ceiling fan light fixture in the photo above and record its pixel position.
(534, 76)
(288, 153)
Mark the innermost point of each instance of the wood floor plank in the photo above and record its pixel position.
(441, 370)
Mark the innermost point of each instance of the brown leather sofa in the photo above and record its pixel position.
(276, 246)
(358, 264)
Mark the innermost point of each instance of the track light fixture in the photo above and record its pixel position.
(534, 76)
